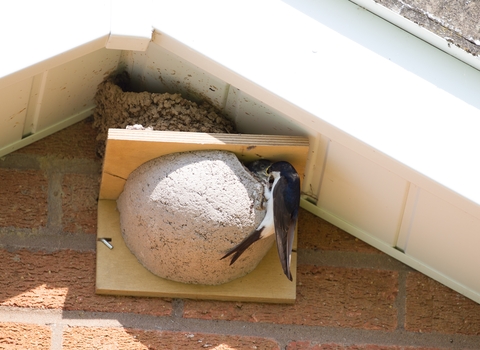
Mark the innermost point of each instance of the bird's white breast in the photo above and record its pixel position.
(268, 222)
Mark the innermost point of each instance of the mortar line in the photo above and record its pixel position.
(285, 333)
(177, 308)
(19, 161)
(57, 336)
(54, 201)
(401, 300)
(281, 333)
(350, 260)
(11, 240)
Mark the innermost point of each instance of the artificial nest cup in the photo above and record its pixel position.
(118, 271)
(181, 212)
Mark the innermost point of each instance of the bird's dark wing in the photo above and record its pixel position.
(243, 245)
(286, 199)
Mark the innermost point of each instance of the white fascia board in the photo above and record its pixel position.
(370, 85)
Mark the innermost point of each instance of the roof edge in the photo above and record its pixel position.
(419, 31)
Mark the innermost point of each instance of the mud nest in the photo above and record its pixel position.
(117, 107)
(180, 213)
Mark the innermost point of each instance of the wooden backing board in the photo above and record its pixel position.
(120, 273)
(126, 150)
(118, 270)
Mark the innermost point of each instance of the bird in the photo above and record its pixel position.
(259, 168)
(286, 204)
(266, 228)
(282, 192)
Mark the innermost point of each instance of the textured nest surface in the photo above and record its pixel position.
(119, 108)
(182, 212)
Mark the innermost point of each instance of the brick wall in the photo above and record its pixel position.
(349, 295)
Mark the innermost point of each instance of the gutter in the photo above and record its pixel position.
(447, 46)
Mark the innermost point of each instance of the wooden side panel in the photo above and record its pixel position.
(128, 149)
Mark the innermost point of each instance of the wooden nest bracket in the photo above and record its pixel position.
(119, 272)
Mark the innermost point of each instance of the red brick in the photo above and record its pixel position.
(326, 296)
(76, 141)
(23, 198)
(24, 336)
(134, 339)
(79, 203)
(306, 345)
(316, 233)
(63, 280)
(432, 307)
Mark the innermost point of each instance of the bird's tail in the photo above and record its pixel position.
(243, 245)
(284, 248)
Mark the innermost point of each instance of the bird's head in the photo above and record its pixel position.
(281, 168)
(259, 168)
